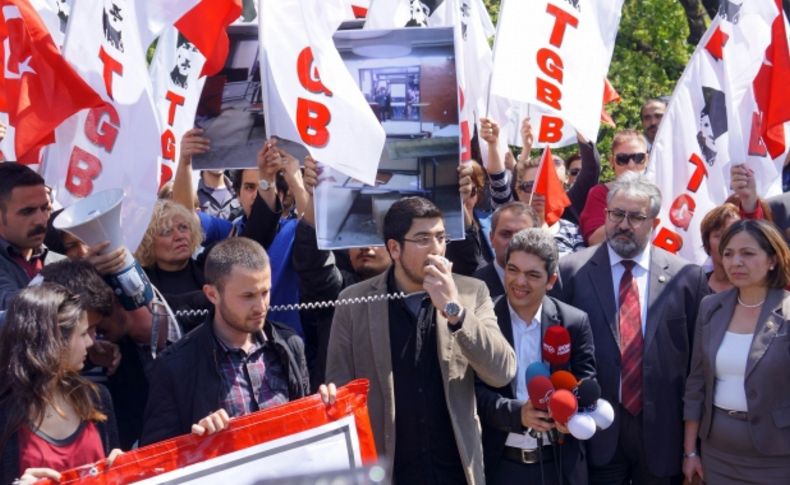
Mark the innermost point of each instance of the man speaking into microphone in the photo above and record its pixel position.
(540, 329)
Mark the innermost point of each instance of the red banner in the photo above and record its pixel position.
(244, 432)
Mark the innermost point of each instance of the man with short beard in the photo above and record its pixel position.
(421, 353)
(642, 303)
(24, 211)
(237, 361)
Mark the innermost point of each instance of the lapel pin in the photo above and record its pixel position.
(662, 279)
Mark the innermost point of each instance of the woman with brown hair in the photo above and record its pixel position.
(737, 401)
(712, 227)
(51, 418)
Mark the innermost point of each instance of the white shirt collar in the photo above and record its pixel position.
(519, 322)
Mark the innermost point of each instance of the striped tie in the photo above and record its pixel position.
(631, 343)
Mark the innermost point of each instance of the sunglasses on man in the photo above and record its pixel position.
(525, 186)
(622, 159)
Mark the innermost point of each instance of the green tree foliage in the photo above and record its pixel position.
(649, 56)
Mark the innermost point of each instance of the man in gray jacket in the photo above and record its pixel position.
(421, 353)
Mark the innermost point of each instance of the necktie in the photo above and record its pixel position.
(631, 343)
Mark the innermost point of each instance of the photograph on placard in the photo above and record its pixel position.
(408, 77)
(230, 110)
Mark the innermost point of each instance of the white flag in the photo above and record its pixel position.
(177, 84)
(311, 97)
(713, 122)
(554, 55)
(117, 145)
(55, 14)
(473, 27)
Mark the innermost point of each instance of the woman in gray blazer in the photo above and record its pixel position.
(737, 399)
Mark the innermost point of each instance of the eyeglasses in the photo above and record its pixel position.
(574, 172)
(634, 218)
(525, 186)
(622, 159)
(425, 240)
(181, 228)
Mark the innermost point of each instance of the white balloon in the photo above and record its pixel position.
(603, 414)
(581, 426)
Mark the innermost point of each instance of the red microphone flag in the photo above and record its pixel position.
(563, 405)
(549, 185)
(563, 379)
(40, 87)
(540, 390)
(556, 347)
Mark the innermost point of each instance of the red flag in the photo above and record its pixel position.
(770, 88)
(610, 95)
(549, 185)
(205, 26)
(3, 35)
(41, 88)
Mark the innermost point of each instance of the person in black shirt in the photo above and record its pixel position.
(172, 237)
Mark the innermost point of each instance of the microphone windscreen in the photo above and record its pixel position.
(556, 345)
(581, 426)
(588, 392)
(536, 369)
(563, 379)
(603, 414)
(562, 405)
(540, 391)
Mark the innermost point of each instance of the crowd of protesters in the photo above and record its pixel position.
(693, 359)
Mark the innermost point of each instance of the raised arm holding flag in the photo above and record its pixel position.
(728, 108)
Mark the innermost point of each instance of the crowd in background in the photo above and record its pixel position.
(693, 359)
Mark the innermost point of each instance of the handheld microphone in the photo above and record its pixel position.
(603, 414)
(536, 369)
(556, 349)
(563, 379)
(588, 392)
(581, 426)
(562, 405)
(540, 391)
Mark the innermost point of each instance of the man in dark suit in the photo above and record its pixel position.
(506, 221)
(642, 303)
(780, 210)
(506, 414)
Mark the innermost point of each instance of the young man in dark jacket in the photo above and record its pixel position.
(236, 362)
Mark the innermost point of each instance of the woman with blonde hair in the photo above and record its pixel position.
(51, 418)
(167, 256)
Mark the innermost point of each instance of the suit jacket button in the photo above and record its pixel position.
(752, 394)
(755, 419)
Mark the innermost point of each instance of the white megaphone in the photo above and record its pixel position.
(95, 219)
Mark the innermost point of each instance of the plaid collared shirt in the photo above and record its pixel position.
(251, 380)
